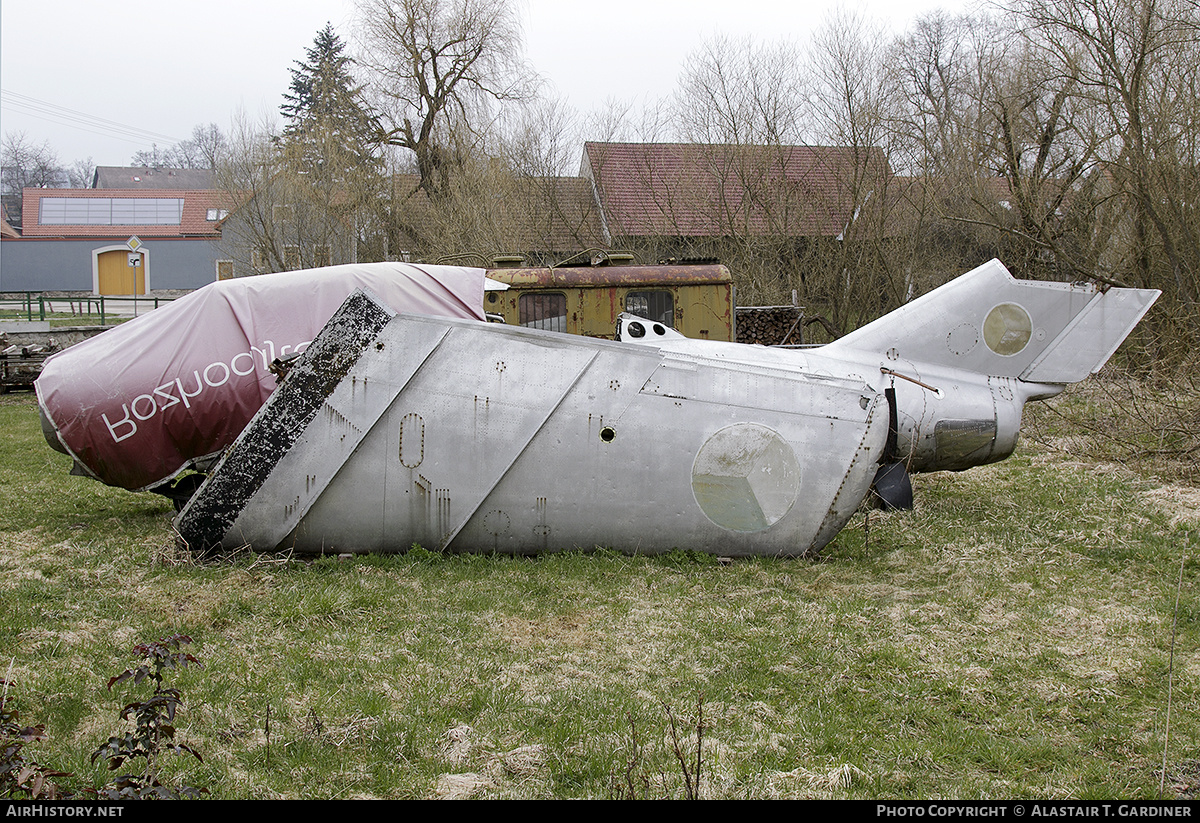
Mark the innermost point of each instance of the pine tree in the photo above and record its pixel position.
(314, 188)
(326, 118)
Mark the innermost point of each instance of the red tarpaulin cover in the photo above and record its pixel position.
(140, 403)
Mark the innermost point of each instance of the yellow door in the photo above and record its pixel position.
(116, 276)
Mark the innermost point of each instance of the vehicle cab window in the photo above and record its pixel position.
(658, 306)
(543, 310)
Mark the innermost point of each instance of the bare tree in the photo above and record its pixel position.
(851, 81)
(203, 151)
(998, 139)
(861, 274)
(207, 145)
(512, 196)
(439, 67)
(286, 213)
(942, 62)
(742, 92)
(1136, 64)
(27, 164)
(81, 174)
(249, 175)
(539, 138)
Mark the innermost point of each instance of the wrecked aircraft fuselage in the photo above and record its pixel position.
(394, 430)
(485, 438)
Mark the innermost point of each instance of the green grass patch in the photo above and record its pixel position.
(1012, 637)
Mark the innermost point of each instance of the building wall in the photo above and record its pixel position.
(51, 264)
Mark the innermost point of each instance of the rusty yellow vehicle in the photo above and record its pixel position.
(696, 300)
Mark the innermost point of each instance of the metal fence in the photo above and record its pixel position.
(36, 305)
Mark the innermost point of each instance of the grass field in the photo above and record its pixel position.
(1032, 629)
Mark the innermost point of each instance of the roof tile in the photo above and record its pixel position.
(698, 190)
(194, 223)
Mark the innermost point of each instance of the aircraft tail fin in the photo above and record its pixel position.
(989, 322)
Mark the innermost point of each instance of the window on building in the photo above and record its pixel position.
(224, 269)
(291, 257)
(110, 211)
(213, 215)
(321, 256)
(547, 310)
(658, 306)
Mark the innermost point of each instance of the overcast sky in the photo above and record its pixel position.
(105, 80)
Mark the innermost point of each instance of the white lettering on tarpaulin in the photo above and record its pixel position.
(214, 375)
(185, 394)
(170, 399)
(233, 363)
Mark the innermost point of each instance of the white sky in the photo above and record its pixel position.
(105, 80)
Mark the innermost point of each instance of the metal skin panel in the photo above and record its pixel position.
(448, 438)
(501, 439)
(963, 359)
(345, 417)
(472, 437)
(272, 435)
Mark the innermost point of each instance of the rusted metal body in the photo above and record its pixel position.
(696, 300)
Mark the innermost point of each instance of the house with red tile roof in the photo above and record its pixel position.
(689, 192)
(115, 241)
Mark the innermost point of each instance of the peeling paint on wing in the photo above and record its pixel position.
(277, 426)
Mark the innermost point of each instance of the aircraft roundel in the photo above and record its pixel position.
(1007, 329)
(745, 477)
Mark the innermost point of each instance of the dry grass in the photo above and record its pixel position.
(1011, 637)
(1149, 425)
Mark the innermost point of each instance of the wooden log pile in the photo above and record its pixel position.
(23, 352)
(769, 325)
(20, 366)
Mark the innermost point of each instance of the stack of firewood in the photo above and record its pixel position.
(769, 325)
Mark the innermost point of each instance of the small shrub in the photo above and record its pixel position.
(21, 777)
(154, 735)
(420, 554)
(635, 781)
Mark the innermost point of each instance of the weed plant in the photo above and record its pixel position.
(1012, 637)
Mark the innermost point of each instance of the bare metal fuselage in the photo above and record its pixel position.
(483, 438)
(402, 430)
